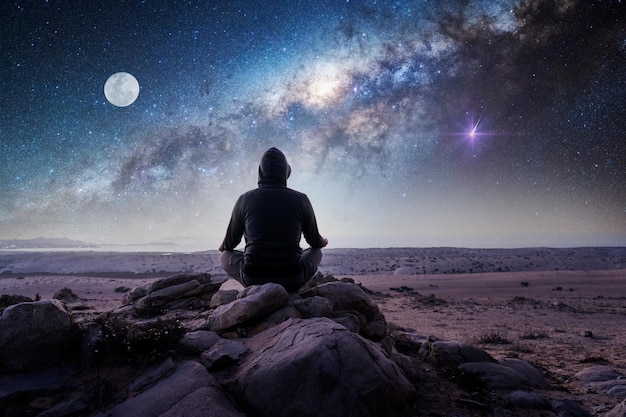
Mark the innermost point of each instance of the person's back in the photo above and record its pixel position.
(272, 218)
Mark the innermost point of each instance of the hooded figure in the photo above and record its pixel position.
(272, 219)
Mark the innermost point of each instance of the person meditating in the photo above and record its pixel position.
(272, 218)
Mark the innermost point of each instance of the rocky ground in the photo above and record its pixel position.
(569, 325)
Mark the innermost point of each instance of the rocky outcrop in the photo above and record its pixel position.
(33, 334)
(326, 351)
(318, 367)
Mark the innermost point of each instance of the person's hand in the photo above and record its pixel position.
(324, 242)
(221, 248)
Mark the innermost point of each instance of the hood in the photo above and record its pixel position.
(273, 169)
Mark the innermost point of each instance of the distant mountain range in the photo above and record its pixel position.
(43, 243)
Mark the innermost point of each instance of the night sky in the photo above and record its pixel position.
(407, 123)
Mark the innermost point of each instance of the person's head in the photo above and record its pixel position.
(274, 168)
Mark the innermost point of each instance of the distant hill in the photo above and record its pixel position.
(43, 243)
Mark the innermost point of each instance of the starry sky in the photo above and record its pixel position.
(474, 123)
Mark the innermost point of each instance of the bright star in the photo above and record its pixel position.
(473, 131)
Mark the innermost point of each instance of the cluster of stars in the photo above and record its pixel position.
(424, 120)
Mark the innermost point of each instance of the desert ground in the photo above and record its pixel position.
(560, 309)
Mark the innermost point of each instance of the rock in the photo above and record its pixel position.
(314, 359)
(315, 306)
(618, 411)
(508, 374)
(174, 288)
(224, 352)
(349, 321)
(351, 297)
(449, 354)
(34, 334)
(204, 402)
(569, 408)
(67, 408)
(618, 390)
(603, 378)
(496, 377)
(184, 289)
(375, 330)
(531, 375)
(177, 395)
(194, 343)
(282, 314)
(209, 283)
(151, 377)
(223, 297)
(66, 295)
(345, 296)
(528, 400)
(135, 294)
(597, 373)
(254, 302)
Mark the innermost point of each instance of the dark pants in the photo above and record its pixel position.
(232, 262)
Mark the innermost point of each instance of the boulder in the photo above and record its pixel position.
(319, 368)
(198, 341)
(528, 400)
(531, 375)
(569, 408)
(495, 376)
(450, 354)
(224, 352)
(596, 374)
(603, 378)
(507, 374)
(34, 334)
(253, 303)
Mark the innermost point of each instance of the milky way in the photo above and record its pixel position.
(408, 123)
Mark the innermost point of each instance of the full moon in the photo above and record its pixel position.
(121, 89)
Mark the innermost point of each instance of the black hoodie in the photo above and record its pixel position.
(272, 218)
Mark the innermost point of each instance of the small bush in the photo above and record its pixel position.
(522, 347)
(7, 300)
(493, 338)
(129, 342)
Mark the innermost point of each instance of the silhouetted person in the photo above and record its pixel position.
(272, 218)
